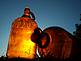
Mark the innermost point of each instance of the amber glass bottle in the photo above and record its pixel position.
(20, 44)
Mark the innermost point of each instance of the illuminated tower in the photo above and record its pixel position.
(20, 44)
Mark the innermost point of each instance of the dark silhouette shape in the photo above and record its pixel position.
(37, 37)
(39, 34)
(46, 37)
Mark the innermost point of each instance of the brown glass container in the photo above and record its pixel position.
(20, 44)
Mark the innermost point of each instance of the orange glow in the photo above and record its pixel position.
(20, 44)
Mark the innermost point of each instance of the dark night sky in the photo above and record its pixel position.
(62, 13)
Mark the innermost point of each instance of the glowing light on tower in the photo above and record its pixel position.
(20, 44)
